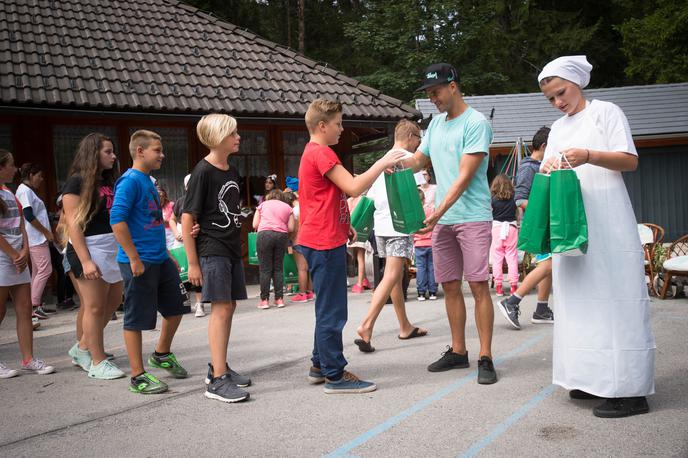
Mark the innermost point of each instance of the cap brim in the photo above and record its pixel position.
(429, 85)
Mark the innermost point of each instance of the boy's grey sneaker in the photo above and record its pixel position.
(349, 383)
(486, 371)
(543, 317)
(449, 360)
(223, 389)
(239, 380)
(315, 376)
(510, 312)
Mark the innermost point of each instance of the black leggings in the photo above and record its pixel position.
(271, 247)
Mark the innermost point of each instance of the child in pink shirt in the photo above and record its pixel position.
(273, 220)
(422, 243)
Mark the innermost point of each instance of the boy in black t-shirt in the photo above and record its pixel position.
(212, 200)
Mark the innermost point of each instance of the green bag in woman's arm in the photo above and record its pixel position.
(568, 223)
(534, 236)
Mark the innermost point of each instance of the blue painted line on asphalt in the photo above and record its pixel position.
(477, 447)
(423, 403)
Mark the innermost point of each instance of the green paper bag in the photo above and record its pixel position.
(362, 218)
(568, 224)
(291, 273)
(534, 236)
(179, 255)
(252, 250)
(404, 202)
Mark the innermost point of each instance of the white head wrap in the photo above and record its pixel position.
(572, 68)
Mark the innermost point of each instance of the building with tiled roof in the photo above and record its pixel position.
(70, 67)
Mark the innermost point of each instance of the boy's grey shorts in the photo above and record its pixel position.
(223, 279)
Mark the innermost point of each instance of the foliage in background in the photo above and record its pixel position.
(498, 46)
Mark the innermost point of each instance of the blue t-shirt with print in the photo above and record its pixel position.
(137, 203)
(445, 142)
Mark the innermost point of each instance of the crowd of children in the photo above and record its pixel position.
(116, 232)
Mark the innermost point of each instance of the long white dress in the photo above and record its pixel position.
(603, 343)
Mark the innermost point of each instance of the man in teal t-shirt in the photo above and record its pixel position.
(457, 144)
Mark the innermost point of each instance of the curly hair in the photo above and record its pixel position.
(502, 188)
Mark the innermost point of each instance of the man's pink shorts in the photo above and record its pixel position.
(462, 250)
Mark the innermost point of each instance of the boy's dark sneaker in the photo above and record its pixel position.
(546, 316)
(146, 384)
(239, 380)
(315, 376)
(486, 371)
(223, 389)
(350, 384)
(621, 407)
(449, 360)
(45, 309)
(169, 363)
(510, 312)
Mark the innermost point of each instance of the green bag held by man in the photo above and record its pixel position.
(252, 248)
(362, 218)
(567, 220)
(404, 202)
(179, 255)
(534, 236)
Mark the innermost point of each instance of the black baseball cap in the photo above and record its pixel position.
(438, 74)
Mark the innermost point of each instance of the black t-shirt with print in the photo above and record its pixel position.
(213, 198)
(100, 222)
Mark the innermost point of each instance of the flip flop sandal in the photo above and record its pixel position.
(415, 333)
(364, 346)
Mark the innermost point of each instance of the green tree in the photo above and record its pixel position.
(656, 45)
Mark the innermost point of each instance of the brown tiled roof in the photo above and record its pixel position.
(162, 56)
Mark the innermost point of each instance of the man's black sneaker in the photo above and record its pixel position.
(449, 360)
(240, 380)
(510, 312)
(486, 371)
(223, 389)
(580, 394)
(546, 317)
(621, 407)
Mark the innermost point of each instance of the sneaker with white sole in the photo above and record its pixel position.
(224, 389)
(239, 380)
(105, 370)
(279, 303)
(34, 323)
(6, 372)
(81, 358)
(38, 366)
(200, 310)
(348, 384)
(546, 317)
(421, 297)
(433, 297)
(510, 312)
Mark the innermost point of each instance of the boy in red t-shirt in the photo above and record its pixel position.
(323, 233)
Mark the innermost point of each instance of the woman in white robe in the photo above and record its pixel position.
(603, 342)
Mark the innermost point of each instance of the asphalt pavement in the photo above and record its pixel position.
(413, 413)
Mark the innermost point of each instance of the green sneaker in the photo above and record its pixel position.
(81, 358)
(147, 384)
(169, 363)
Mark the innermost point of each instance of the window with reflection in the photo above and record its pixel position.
(253, 164)
(293, 144)
(66, 141)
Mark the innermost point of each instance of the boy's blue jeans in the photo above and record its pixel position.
(328, 271)
(425, 276)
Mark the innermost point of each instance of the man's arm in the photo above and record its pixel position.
(417, 162)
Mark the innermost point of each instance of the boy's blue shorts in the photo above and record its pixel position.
(158, 289)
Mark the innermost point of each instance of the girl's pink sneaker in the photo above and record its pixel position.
(513, 289)
(357, 288)
(263, 305)
(279, 303)
(300, 297)
(310, 295)
(366, 284)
